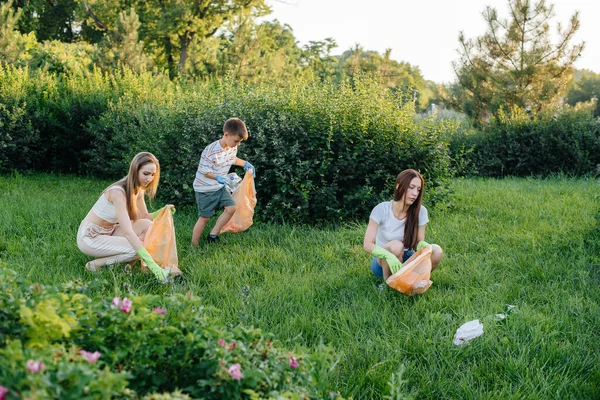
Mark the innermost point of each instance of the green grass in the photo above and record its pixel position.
(530, 243)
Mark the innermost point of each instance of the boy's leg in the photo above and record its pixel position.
(198, 229)
(226, 201)
(223, 219)
(206, 202)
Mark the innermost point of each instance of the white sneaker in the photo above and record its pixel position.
(91, 267)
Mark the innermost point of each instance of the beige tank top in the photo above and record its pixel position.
(104, 208)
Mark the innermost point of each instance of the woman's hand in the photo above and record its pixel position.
(168, 207)
(158, 272)
(391, 259)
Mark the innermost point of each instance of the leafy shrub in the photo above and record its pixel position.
(60, 57)
(19, 141)
(144, 344)
(45, 114)
(56, 373)
(51, 115)
(323, 151)
(566, 142)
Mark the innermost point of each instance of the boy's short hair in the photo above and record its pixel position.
(235, 126)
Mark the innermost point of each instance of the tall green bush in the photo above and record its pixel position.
(45, 113)
(515, 145)
(323, 151)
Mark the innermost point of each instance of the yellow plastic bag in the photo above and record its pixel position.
(160, 242)
(413, 277)
(245, 200)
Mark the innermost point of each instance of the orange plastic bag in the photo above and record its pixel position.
(160, 242)
(413, 277)
(245, 200)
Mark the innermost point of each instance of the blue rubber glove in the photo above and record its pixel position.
(248, 166)
(391, 259)
(221, 179)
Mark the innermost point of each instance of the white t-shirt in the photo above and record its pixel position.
(390, 227)
(217, 160)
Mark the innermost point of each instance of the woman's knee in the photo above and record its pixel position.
(436, 254)
(141, 226)
(436, 251)
(396, 247)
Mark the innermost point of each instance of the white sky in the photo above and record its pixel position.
(423, 33)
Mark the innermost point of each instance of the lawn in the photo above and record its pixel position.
(531, 243)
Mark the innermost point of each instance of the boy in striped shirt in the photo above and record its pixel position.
(209, 184)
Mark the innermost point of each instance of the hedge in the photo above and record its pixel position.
(567, 141)
(322, 151)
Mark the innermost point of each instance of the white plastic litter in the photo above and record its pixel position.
(468, 331)
(421, 285)
(507, 311)
(233, 182)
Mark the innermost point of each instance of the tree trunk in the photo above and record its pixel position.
(169, 54)
(184, 41)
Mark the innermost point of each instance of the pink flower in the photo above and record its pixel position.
(3, 392)
(161, 311)
(293, 362)
(35, 366)
(232, 345)
(125, 305)
(91, 357)
(116, 302)
(222, 342)
(235, 371)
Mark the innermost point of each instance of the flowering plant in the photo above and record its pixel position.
(67, 343)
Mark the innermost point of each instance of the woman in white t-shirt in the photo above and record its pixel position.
(395, 227)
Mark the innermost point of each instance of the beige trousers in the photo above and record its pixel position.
(97, 241)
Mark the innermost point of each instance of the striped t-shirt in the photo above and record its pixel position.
(217, 160)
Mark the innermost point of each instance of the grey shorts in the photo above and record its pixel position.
(208, 202)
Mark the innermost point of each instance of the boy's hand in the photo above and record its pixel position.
(248, 166)
(221, 179)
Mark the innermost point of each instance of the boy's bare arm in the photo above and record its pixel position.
(239, 162)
